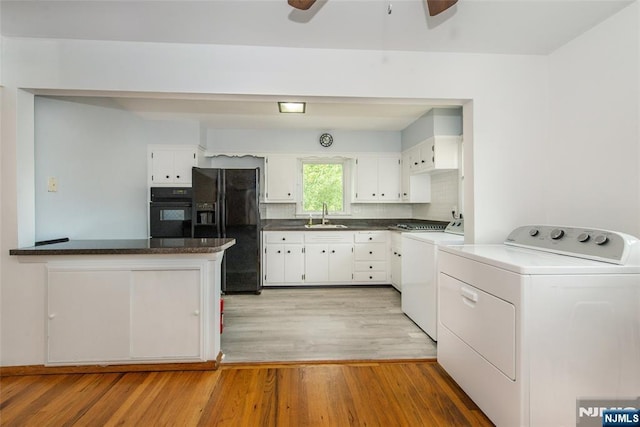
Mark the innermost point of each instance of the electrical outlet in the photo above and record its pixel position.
(52, 184)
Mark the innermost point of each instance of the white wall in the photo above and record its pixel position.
(299, 141)
(98, 154)
(592, 169)
(505, 125)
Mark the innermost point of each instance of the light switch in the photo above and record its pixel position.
(52, 184)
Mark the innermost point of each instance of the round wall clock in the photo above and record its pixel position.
(326, 140)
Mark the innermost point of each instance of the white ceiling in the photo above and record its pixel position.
(478, 26)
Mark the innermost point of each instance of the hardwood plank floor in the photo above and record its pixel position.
(303, 324)
(329, 394)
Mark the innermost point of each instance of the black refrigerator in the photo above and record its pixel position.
(225, 204)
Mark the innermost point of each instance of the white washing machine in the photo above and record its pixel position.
(549, 318)
(419, 275)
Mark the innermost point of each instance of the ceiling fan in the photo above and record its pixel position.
(435, 6)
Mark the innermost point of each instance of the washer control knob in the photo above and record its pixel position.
(557, 233)
(601, 239)
(583, 237)
(534, 232)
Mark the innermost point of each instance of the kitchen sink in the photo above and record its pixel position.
(321, 226)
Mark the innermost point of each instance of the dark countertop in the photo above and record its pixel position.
(352, 224)
(129, 247)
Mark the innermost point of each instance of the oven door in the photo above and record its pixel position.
(170, 219)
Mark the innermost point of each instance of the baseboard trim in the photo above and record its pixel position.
(7, 371)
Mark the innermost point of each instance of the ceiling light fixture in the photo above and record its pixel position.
(292, 107)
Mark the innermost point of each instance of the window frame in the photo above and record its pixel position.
(346, 185)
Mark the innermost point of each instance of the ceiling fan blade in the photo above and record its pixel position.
(437, 6)
(302, 4)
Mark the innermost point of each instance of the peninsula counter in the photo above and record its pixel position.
(140, 301)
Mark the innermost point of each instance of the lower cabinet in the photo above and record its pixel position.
(325, 258)
(99, 315)
(395, 261)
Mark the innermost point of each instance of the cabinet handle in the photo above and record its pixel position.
(52, 316)
(284, 238)
(196, 313)
(415, 163)
(333, 252)
(395, 253)
(288, 252)
(373, 194)
(178, 176)
(323, 251)
(399, 254)
(404, 194)
(370, 252)
(288, 194)
(370, 238)
(371, 266)
(433, 158)
(167, 176)
(422, 161)
(382, 194)
(371, 277)
(279, 252)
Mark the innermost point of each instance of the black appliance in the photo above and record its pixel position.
(225, 204)
(170, 212)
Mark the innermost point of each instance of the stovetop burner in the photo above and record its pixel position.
(416, 226)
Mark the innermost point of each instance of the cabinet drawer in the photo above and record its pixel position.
(365, 266)
(371, 236)
(373, 276)
(283, 237)
(371, 252)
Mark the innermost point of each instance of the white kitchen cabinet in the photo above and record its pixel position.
(87, 316)
(99, 314)
(436, 153)
(283, 258)
(171, 165)
(377, 179)
(328, 257)
(442, 153)
(281, 179)
(165, 314)
(370, 254)
(395, 260)
(416, 187)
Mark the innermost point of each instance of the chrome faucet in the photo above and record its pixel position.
(325, 211)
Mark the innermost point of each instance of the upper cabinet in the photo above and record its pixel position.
(281, 178)
(377, 179)
(434, 154)
(170, 165)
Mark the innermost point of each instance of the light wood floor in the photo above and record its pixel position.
(302, 324)
(348, 394)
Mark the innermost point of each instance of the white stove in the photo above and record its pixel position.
(419, 275)
(549, 318)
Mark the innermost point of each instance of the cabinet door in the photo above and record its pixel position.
(340, 263)
(183, 162)
(281, 178)
(316, 263)
(389, 179)
(162, 167)
(293, 264)
(87, 316)
(166, 314)
(274, 263)
(367, 179)
(426, 155)
(406, 177)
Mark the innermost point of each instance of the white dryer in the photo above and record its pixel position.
(419, 273)
(534, 326)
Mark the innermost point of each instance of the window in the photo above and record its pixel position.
(323, 182)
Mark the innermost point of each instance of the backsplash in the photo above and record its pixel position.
(368, 210)
(444, 195)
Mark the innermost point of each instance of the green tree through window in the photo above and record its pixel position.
(322, 183)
